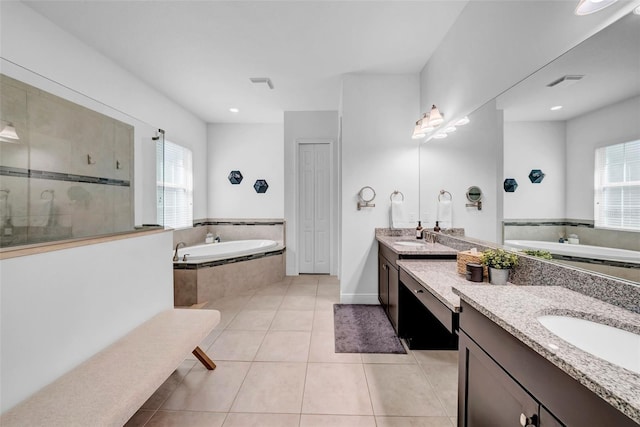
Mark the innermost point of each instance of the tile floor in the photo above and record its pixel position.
(276, 366)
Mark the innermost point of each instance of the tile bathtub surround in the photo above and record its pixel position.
(515, 309)
(282, 370)
(232, 229)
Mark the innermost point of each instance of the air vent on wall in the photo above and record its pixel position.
(266, 80)
(565, 81)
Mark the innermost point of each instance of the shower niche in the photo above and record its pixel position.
(69, 172)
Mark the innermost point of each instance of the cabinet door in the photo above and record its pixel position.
(492, 397)
(383, 282)
(393, 296)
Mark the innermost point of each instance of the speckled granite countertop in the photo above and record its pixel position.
(422, 246)
(515, 308)
(438, 277)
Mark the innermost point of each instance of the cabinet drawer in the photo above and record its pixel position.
(448, 318)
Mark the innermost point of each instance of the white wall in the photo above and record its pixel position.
(535, 145)
(300, 127)
(38, 46)
(471, 156)
(255, 150)
(494, 45)
(610, 125)
(59, 308)
(378, 117)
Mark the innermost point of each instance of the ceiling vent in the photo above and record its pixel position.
(266, 80)
(565, 81)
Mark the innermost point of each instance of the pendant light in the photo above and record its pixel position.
(8, 134)
(435, 118)
(417, 131)
(426, 125)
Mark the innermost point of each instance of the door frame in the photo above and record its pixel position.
(333, 262)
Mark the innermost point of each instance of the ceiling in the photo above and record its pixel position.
(610, 63)
(201, 54)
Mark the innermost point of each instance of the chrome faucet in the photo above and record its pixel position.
(217, 239)
(175, 254)
(184, 258)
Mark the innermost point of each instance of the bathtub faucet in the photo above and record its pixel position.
(217, 239)
(175, 254)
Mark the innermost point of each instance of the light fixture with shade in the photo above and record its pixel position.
(9, 134)
(556, 108)
(586, 7)
(449, 129)
(425, 124)
(440, 135)
(463, 121)
(435, 118)
(417, 131)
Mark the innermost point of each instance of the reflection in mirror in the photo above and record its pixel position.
(555, 121)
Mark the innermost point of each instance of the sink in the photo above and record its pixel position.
(614, 345)
(416, 243)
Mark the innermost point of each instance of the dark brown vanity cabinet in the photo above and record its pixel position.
(502, 382)
(388, 285)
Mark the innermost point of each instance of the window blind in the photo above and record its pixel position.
(617, 186)
(174, 185)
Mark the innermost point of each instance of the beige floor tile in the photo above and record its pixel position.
(323, 321)
(302, 289)
(436, 357)
(279, 288)
(454, 421)
(206, 342)
(444, 380)
(203, 390)
(236, 302)
(298, 302)
(337, 421)
(140, 418)
(413, 422)
(407, 358)
(262, 420)
(284, 346)
(272, 388)
(186, 418)
(323, 349)
(305, 279)
(236, 345)
(226, 316)
(293, 320)
(330, 290)
(337, 389)
(167, 388)
(328, 280)
(325, 302)
(252, 320)
(264, 302)
(401, 390)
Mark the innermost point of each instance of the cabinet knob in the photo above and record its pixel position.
(385, 267)
(526, 421)
(418, 291)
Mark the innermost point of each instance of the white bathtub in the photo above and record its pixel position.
(581, 251)
(225, 250)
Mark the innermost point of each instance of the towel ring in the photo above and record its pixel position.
(395, 193)
(45, 192)
(442, 193)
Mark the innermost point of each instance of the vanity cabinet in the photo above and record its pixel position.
(503, 382)
(388, 285)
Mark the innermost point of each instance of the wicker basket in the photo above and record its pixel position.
(466, 257)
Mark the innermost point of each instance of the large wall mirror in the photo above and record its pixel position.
(70, 167)
(550, 125)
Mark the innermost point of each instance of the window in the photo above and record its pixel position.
(617, 186)
(174, 185)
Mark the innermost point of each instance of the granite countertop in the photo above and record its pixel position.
(438, 277)
(422, 246)
(515, 308)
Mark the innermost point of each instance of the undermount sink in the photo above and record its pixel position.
(614, 345)
(416, 243)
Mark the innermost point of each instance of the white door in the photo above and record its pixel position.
(315, 208)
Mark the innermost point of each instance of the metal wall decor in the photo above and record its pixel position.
(536, 176)
(261, 186)
(510, 185)
(235, 177)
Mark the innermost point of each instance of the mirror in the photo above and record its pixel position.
(594, 90)
(474, 194)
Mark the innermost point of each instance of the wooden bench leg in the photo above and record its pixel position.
(204, 359)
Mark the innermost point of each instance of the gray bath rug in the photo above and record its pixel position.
(364, 328)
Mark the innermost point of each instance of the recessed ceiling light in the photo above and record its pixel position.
(556, 107)
(234, 110)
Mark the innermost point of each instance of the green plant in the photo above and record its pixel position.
(499, 258)
(538, 254)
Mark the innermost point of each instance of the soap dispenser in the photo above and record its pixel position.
(437, 227)
(419, 231)
(209, 238)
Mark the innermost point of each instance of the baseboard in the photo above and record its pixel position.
(359, 299)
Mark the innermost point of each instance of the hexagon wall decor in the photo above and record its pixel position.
(261, 186)
(510, 185)
(235, 177)
(536, 176)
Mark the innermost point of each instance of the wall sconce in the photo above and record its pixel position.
(417, 131)
(586, 7)
(8, 134)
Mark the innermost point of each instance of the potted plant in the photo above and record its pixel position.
(538, 253)
(500, 263)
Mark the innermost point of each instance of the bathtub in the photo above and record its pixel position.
(578, 251)
(225, 250)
